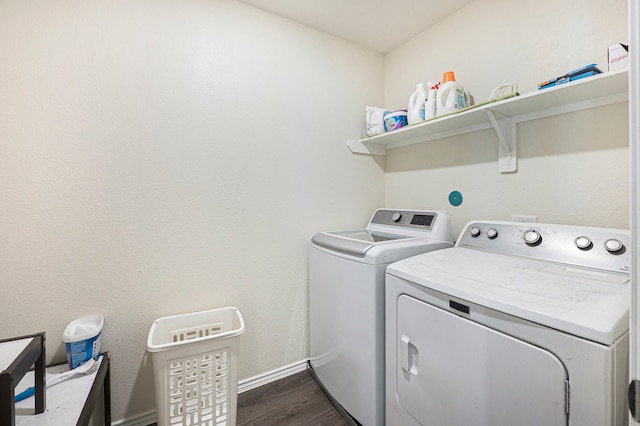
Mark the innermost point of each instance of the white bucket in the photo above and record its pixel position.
(395, 120)
(83, 339)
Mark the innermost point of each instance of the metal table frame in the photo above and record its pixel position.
(34, 355)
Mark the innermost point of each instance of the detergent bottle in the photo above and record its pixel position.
(375, 120)
(451, 96)
(415, 112)
(430, 105)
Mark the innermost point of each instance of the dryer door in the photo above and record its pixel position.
(453, 371)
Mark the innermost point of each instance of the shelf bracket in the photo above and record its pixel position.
(359, 147)
(505, 129)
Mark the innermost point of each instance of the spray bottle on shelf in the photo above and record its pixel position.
(430, 105)
(415, 112)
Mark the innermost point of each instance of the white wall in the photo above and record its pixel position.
(572, 168)
(164, 157)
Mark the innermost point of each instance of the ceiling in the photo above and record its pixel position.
(379, 25)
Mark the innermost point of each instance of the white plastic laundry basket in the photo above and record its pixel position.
(195, 362)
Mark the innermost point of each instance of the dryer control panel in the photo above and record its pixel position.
(599, 248)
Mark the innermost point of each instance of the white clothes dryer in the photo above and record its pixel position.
(346, 302)
(518, 324)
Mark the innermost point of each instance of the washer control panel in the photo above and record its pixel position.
(600, 248)
(405, 218)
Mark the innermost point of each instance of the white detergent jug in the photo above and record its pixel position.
(451, 96)
(415, 111)
(375, 120)
(430, 105)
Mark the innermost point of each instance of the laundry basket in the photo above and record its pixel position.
(195, 362)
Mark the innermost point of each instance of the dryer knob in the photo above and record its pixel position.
(532, 237)
(492, 233)
(396, 217)
(584, 243)
(475, 231)
(613, 246)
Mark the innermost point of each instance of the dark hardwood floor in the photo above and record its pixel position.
(295, 400)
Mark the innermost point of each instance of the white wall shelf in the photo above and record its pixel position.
(603, 89)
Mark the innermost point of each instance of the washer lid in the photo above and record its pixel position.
(355, 241)
(589, 303)
(366, 235)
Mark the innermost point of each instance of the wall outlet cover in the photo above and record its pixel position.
(524, 218)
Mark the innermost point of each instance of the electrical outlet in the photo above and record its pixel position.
(524, 218)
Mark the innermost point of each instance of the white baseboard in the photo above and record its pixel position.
(243, 386)
(272, 376)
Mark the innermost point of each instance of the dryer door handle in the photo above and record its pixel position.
(409, 360)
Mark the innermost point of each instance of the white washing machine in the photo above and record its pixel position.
(346, 302)
(518, 324)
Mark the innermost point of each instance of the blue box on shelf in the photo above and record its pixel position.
(583, 72)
